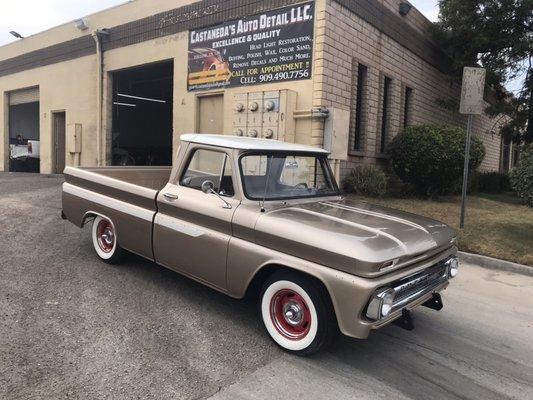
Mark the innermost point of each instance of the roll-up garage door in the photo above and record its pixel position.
(24, 132)
(24, 96)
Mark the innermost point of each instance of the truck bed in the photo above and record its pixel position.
(127, 195)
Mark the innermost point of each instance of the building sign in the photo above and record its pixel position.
(273, 47)
(472, 91)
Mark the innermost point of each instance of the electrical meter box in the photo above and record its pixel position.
(336, 133)
(268, 115)
(74, 138)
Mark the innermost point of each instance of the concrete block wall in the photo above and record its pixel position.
(345, 40)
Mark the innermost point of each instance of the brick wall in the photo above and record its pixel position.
(344, 40)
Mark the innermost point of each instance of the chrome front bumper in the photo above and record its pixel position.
(389, 302)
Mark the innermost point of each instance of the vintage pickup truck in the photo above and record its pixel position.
(266, 218)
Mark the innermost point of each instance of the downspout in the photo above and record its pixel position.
(97, 36)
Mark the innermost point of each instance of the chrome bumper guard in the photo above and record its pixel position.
(407, 290)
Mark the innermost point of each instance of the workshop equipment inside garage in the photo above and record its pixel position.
(24, 132)
(142, 115)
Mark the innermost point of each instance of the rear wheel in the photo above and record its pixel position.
(297, 313)
(105, 242)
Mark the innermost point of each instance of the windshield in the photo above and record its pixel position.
(286, 176)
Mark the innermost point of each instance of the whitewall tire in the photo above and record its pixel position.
(105, 240)
(297, 313)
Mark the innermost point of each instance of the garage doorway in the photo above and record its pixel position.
(24, 131)
(211, 114)
(142, 115)
(58, 132)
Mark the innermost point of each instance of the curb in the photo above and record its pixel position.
(494, 263)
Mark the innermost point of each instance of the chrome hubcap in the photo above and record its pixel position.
(105, 236)
(293, 313)
(108, 237)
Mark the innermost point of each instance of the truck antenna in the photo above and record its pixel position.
(269, 169)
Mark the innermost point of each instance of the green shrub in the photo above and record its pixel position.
(522, 176)
(493, 182)
(431, 157)
(366, 181)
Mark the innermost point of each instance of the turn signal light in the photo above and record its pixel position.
(453, 266)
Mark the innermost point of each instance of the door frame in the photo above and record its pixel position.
(197, 99)
(54, 138)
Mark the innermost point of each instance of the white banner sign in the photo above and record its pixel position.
(472, 91)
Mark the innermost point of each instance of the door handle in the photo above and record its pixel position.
(170, 196)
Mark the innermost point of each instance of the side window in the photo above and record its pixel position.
(208, 165)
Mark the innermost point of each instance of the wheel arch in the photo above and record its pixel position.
(268, 269)
(92, 215)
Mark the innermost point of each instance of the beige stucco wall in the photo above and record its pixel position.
(72, 86)
(69, 86)
(185, 103)
(341, 41)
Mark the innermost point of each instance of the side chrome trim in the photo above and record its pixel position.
(175, 225)
(109, 202)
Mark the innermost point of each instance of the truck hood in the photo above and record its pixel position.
(352, 236)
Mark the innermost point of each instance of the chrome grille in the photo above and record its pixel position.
(411, 287)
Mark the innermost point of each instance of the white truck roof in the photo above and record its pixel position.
(248, 143)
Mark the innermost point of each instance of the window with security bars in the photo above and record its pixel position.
(407, 106)
(385, 111)
(359, 107)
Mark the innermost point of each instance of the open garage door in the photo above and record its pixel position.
(142, 115)
(24, 134)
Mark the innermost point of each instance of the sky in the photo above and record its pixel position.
(28, 17)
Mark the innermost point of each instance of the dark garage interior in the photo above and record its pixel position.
(142, 115)
(23, 127)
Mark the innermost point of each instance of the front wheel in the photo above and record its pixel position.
(105, 242)
(297, 313)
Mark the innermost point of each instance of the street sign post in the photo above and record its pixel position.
(471, 104)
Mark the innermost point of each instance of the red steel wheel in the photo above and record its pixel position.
(297, 312)
(105, 240)
(106, 235)
(290, 314)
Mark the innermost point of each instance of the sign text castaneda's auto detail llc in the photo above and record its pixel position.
(276, 46)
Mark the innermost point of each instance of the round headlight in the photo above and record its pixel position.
(453, 267)
(387, 302)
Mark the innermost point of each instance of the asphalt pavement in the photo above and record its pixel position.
(72, 327)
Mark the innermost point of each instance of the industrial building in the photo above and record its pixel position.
(120, 86)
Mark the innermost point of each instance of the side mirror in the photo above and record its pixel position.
(208, 187)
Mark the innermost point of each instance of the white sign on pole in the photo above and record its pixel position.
(472, 92)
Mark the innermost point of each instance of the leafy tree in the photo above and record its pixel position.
(497, 35)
